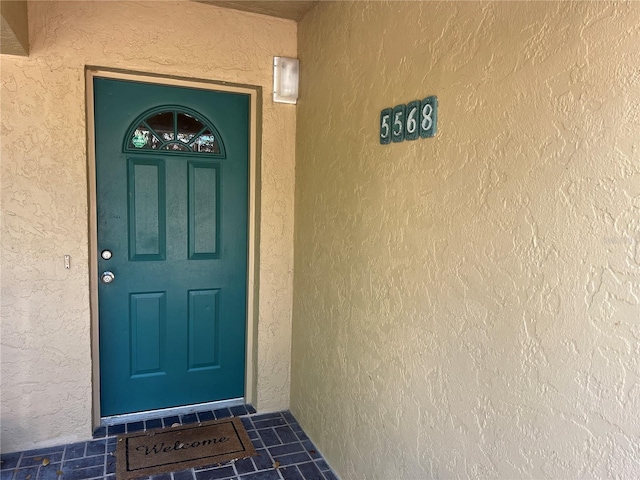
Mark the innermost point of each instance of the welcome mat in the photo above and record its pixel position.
(171, 449)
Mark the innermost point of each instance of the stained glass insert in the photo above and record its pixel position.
(163, 124)
(176, 147)
(206, 142)
(188, 127)
(143, 138)
(176, 131)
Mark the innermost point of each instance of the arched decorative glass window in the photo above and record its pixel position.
(177, 129)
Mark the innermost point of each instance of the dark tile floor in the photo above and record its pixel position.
(284, 453)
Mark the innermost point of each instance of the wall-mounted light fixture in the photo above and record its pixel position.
(285, 79)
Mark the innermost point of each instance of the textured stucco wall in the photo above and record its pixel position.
(469, 306)
(46, 362)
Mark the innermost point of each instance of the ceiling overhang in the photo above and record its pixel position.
(14, 37)
(15, 24)
(292, 10)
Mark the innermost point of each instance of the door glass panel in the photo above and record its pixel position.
(162, 123)
(176, 147)
(143, 138)
(188, 127)
(206, 142)
(176, 131)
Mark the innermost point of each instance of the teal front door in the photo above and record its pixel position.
(172, 200)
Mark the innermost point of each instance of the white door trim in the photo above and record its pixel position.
(255, 121)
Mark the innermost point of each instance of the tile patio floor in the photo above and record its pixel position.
(277, 437)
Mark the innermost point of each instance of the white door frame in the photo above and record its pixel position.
(255, 121)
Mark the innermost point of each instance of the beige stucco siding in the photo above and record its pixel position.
(46, 351)
(468, 306)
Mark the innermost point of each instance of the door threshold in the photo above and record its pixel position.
(169, 412)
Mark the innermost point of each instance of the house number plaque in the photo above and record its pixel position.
(417, 119)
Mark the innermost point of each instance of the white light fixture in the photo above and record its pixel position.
(285, 79)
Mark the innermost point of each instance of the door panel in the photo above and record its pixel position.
(174, 216)
(148, 324)
(147, 210)
(203, 210)
(203, 329)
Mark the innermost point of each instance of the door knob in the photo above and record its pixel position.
(107, 277)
